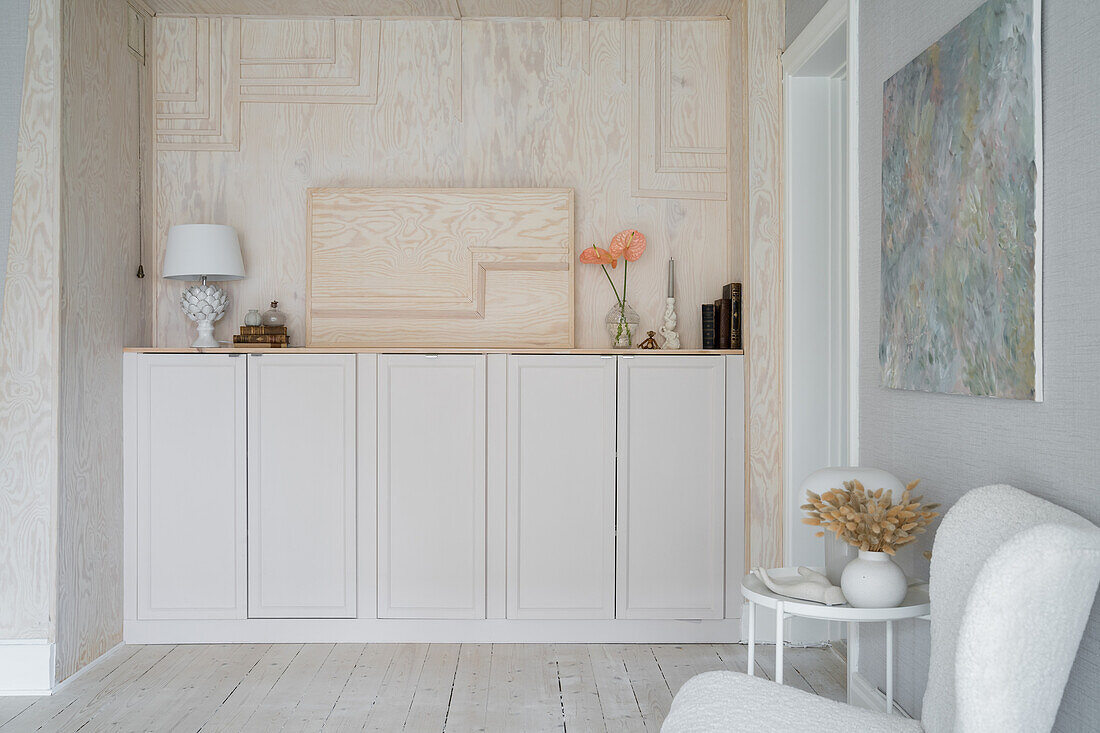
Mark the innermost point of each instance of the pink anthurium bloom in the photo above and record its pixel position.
(629, 244)
(597, 256)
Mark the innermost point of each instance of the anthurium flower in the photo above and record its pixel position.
(629, 244)
(598, 256)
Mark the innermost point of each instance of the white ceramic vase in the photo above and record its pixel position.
(873, 580)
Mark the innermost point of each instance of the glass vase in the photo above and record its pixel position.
(622, 325)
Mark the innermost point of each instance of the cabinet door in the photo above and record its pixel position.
(190, 487)
(431, 486)
(561, 487)
(671, 485)
(301, 485)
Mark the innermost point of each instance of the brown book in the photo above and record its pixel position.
(263, 330)
(260, 339)
(734, 290)
(243, 345)
(710, 333)
(722, 309)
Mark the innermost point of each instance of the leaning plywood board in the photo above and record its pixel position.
(440, 267)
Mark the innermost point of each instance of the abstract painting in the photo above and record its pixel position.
(961, 210)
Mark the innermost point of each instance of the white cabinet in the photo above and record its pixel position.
(561, 487)
(185, 494)
(671, 487)
(301, 485)
(530, 495)
(431, 486)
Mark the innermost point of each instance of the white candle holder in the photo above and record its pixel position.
(668, 331)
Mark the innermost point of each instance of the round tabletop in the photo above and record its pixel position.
(753, 589)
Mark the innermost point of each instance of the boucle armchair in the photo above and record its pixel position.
(1013, 579)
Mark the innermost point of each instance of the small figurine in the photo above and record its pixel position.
(649, 343)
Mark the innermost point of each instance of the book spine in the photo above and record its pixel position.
(735, 316)
(710, 334)
(722, 317)
(263, 330)
(259, 339)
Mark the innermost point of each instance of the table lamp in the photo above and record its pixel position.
(204, 252)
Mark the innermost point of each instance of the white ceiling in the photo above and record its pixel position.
(454, 8)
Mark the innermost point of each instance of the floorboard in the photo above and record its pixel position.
(467, 688)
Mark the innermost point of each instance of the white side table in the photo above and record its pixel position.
(756, 593)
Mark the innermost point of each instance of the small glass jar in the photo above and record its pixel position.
(274, 317)
(622, 325)
(253, 318)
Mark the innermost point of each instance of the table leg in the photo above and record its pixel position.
(779, 642)
(752, 639)
(853, 656)
(889, 667)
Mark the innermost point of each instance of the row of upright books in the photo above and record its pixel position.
(722, 320)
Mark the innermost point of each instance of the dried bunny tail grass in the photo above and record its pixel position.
(869, 520)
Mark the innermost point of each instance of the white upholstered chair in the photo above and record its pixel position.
(1012, 582)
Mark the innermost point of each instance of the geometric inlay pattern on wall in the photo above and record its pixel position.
(208, 66)
(475, 267)
(680, 116)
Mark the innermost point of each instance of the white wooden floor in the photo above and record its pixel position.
(393, 687)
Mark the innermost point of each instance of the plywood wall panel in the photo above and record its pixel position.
(521, 104)
(101, 312)
(472, 267)
(764, 292)
(28, 345)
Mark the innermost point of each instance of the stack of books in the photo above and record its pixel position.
(261, 337)
(722, 320)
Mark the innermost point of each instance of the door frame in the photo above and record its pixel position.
(836, 22)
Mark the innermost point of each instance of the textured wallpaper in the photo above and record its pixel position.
(955, 443)
(28, 347)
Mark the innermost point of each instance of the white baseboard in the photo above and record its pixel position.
(865, 695)
(397, 631)
(26, 667)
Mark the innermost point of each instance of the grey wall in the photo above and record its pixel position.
(798, 14)
(13, 52)
(955, 443)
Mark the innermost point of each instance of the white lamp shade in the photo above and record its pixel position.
(196, 251)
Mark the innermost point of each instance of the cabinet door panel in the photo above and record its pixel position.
(190, 488)
(301, 486)
(671, 485)
(561, 487)
(431, 486)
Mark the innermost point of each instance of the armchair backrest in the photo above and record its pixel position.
(1013, 579)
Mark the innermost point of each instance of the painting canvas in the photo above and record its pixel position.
(961, 205)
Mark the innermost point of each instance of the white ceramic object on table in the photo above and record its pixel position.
(808, 585)
(838, 554)
(873, 580)
(672, 339)
(205, 305)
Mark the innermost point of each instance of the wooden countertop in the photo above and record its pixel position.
(383, 350)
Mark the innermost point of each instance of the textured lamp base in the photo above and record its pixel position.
(205, 305)
(206, 338)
